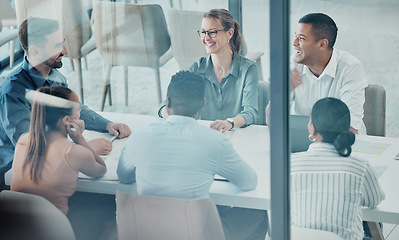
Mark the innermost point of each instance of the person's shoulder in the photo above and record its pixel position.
(23, 139)
(148, 129)
(243, 61)
(14, 82)
(346, 58)
(200, 64)
(211, 134)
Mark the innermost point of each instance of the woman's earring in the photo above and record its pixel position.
(311, 139)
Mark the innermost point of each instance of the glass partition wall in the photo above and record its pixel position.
(367, 29)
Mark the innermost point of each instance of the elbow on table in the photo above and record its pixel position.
(251, 184)
(126, 178)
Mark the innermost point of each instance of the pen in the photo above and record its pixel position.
(113, 138)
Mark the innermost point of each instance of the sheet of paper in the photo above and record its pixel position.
(369, 147)
(112, 159)
(370, 150)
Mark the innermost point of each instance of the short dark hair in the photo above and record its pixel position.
(33, 31)
(323, 26)
(186, 93)
(331, 119)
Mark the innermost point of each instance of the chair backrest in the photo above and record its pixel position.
(374, 110)
(71, 14)
(7, 13)
(298, 233)
(130, 34)
(26, 216)
(263, 100)
(187, 46)
(150, 217)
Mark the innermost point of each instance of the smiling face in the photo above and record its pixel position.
(306, 48)
(221, 41)
(52, 52)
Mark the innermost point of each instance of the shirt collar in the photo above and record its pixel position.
(35, 75)
(329, 70)
(235, 66)
(178, 119)
(322, 146)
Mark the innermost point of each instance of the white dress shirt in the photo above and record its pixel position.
(343, 78)
(328, 190)
(179, 158)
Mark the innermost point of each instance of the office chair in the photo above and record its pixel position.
(130, 35)
(27, 216)
(74, 21)
(263, 100)
(9, 19)
(374, 110)
(298, 233)
(152, 217)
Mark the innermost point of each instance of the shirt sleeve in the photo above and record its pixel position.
(233, 168)
(250, 96)
(353, 93)
(372, 192)
(15, 114)
(126, 170)
(93, 121)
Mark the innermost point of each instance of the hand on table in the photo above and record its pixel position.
(119, 129)
(221, 125)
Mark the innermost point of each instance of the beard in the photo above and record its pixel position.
(54, 63)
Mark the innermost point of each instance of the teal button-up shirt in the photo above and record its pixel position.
(236, 95)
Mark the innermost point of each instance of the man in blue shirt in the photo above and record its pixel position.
(179, 158)
(43, 43)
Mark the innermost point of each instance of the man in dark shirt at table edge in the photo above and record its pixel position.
(43, 43)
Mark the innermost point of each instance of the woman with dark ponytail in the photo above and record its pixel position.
(231, 89)
(328, 186)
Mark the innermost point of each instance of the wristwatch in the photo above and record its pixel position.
(230, 120)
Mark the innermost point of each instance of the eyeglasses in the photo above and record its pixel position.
(211, 33)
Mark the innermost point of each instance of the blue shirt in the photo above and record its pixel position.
(179, 158)
(15, 109)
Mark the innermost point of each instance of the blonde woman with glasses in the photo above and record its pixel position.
(231, 91)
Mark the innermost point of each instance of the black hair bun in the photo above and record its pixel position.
(343, 143)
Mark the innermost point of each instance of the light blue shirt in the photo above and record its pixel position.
(179, 158)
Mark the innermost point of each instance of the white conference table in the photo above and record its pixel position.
(252, 143)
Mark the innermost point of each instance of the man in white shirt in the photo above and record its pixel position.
(321, 71)
(179, 158)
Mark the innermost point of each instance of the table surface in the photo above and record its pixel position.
(252, 143)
